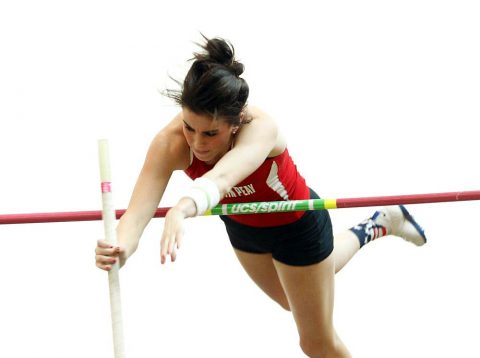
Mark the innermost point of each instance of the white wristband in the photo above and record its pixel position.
(204, 192)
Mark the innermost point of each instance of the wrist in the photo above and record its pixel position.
(185, 207)
(204, 193)
(130, 248)
(128, 237)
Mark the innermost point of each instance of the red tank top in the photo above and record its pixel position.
(276, 179)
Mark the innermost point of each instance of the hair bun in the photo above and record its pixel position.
(237, 68)
(212, 85)
(220, 51)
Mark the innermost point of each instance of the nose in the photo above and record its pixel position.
(199, 141)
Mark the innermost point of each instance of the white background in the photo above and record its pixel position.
(377, 98)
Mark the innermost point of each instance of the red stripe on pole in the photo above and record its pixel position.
(35, 218)
(161, 212)
(408, 199)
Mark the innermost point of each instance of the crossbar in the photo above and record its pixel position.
(257, 207)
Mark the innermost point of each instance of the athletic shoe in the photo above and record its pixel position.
(399, 222)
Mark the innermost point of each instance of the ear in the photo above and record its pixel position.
(242, 117)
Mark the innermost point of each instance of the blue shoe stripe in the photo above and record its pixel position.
(376, 215)
(413, 222)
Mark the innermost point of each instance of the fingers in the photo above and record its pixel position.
(164, 247)
(103, 244)
(169, 246)
(106, 255)
(175, 245)
(173, 255)
(105, 262)
(179, 240)
(107, 249)
(166, 252)
(171, 236)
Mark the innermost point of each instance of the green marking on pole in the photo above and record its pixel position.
(264, 207)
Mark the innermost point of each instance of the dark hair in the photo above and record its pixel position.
(213, 85)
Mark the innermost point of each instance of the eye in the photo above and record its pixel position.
(188, 128)
(211, 134)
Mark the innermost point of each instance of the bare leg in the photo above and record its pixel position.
(394, 220)
(346, 245)
(310, 292)
(261, 270)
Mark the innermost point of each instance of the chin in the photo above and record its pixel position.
(203, 156)
(211, 159)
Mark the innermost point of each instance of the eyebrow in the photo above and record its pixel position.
(213, 131)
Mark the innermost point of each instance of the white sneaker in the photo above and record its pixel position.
(399, 222)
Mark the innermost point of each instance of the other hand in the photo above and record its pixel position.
(172, 234)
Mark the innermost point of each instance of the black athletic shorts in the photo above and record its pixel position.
(307, 241)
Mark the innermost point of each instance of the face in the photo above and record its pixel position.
(209, 139)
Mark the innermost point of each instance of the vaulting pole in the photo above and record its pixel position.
(108, 215)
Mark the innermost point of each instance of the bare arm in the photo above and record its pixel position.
(255, 142)
(168, 152)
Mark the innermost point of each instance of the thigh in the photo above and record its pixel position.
(310, 291)
(262, 271)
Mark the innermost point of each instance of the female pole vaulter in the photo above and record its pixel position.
(235, 153)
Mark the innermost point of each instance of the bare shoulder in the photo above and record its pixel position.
(255, 113)
(170, 146)
(262, 123)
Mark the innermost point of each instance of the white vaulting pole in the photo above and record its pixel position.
(108, 214)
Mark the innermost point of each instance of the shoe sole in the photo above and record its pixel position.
(420, 240)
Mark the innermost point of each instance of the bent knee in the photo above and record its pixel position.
(285, 306)
(322, 348)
